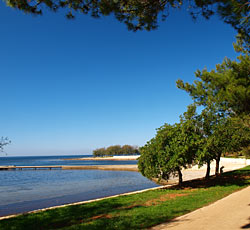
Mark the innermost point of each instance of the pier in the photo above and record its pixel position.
(74, 167)
(13, 167)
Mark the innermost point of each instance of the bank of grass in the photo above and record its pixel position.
(137, 211)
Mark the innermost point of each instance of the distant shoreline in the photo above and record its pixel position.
(113, 158)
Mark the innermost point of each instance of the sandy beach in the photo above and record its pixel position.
(113, 158)
(191, 173)
(194, 172)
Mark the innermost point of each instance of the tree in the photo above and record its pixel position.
(224, 94)
(222, 135)
(144, 14)
(99, 152)
(242, 44)
(228, 86)
(116, 150)
(173, 148)
(113, 150)
(128, 150)
(205, 125)
(155, 155)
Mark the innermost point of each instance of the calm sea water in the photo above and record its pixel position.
(26, 190)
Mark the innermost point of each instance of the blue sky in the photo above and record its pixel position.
(70, 86)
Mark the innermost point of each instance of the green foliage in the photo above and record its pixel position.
(99, 152)
(137, 211)
(138, 15)
(246, 152)
(242, 44)
(113, 150)
(116, 150)
(174, 147)
(224, 94)
(226, 136)
(227, 87)
(128, 150)
(217, 133)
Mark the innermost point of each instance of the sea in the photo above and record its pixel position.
(27, 190)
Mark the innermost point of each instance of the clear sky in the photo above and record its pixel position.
(70, 86)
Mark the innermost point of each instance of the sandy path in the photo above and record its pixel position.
(229, 213)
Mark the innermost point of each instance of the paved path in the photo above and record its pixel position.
(229, 213)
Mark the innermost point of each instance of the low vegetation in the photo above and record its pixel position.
(116, 150)
(138, 211)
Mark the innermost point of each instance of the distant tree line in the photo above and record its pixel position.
(116, 150)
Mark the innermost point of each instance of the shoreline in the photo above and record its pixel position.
(188, 174)
(113, 158)
(86, 201)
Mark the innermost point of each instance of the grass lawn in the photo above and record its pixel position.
(137, 211)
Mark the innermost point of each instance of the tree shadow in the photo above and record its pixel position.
(240, 178)
(61, 217)
(246, 225)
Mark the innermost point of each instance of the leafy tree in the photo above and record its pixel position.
(128, 150)
(113, 150)
(225, 94)
(222, 135)
(144, 14)
(242, 44)
(99, 152)
(205, 123)
(155, 155)
(173, 148)
(228, 87)
(116, 150)
(246, 151)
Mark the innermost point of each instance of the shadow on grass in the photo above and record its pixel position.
(60, 217)
(124, 222)
(239, 177)
(82, 219)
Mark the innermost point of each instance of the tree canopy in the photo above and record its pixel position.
(173, 148)
(116, 150)
(224, 94)
(221, 135)
(144, 14)
(196, 139)
(227, 86)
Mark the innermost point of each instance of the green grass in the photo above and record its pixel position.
(138, 211)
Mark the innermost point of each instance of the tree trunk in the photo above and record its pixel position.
(217, 167)
(208, 170)
(180, 176)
